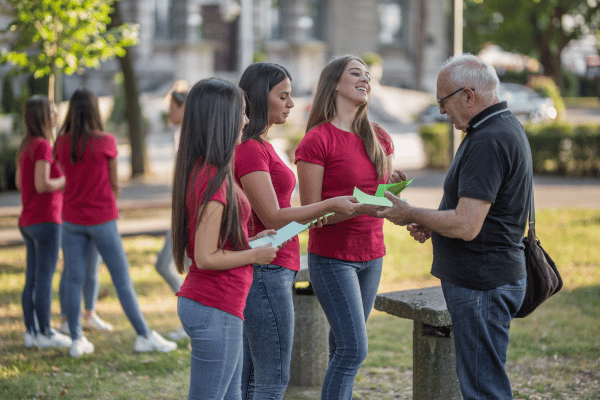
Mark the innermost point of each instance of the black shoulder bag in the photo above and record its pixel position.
(543, 279)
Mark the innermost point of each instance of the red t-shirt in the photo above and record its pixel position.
(347, 165)
(252, 156)
(38, 207)
(89, 199)
(226, 290)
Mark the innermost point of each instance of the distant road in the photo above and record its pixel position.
(583, 115)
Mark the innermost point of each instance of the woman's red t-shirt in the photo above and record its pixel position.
(38, 207)
(251, 156)
(346, 165)
(225, 290)
(89, 199)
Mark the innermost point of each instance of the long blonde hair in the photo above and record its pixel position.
(324, 110)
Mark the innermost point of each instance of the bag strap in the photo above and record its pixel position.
(531, 210)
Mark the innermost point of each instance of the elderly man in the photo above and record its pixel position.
(478, 228)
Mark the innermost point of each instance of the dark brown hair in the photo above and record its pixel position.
(82, 122)
(38, 121)
(257, 81)
(212, 121)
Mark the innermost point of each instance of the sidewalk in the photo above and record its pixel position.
(425, 190)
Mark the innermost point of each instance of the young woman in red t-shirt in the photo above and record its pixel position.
(209, 225)
(40, 181)
(88, 157)
(269, 183)
(342, 150)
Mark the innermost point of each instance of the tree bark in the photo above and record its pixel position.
(137, 138)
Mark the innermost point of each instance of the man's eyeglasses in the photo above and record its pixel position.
(441, 101)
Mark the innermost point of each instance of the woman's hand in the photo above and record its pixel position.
(345, 205)
(262, 234)
(263, 255)
(397, 177)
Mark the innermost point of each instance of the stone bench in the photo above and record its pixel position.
(434, 368)
(310, 351)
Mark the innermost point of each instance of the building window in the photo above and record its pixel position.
(392, 22)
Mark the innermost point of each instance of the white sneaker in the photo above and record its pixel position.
(94, 322)
(81, 346)
(30, 340)
(153, 341)
(178, 334)
(56, 339)
(64, 328)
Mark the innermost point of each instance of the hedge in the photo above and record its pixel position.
(556, 149)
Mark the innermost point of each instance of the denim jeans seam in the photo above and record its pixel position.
(277, 328)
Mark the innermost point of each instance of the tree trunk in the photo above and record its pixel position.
(137, 138)
(51, 80)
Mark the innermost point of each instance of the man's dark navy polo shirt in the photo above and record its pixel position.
(492, 163)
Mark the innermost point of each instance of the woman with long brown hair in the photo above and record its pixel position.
(341, 150)
(88, 157)
(210, 225)
(40, 181)
(269, 183)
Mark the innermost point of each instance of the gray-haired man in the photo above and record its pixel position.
(478, 228)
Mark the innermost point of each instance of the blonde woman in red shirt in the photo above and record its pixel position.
(341, 150)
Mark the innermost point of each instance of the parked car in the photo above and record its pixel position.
(527, 104)
(523, 102)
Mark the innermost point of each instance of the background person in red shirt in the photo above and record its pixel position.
(40, 181)
(269, 183)
(341, 150)
(210, 226)
(88, 158)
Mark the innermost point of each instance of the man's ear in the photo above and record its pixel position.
(469, 97)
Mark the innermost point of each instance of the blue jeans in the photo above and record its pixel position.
(165, 265)
(42, 242)
(91, 282)
(106, 238)
(346, 290)
(268, 333)
(216, 338)
(481, 325)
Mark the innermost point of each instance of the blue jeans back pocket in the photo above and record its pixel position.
(504, 302)
(192, 314)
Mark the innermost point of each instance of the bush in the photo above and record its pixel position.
(8, 155)
(556, 149)
(436, 143)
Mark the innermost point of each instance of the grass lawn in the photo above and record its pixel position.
(554, 353)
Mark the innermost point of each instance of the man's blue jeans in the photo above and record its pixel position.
(43, 243)
(346, 291)
(481, 324)
(216, 337)
(107, 239)
(268, 333)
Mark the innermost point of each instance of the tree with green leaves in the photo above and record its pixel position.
(48, 37)
(537, 28)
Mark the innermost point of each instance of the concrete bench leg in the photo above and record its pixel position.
(434, 363)
(310, 354)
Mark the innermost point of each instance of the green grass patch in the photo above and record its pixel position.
(553, 354)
